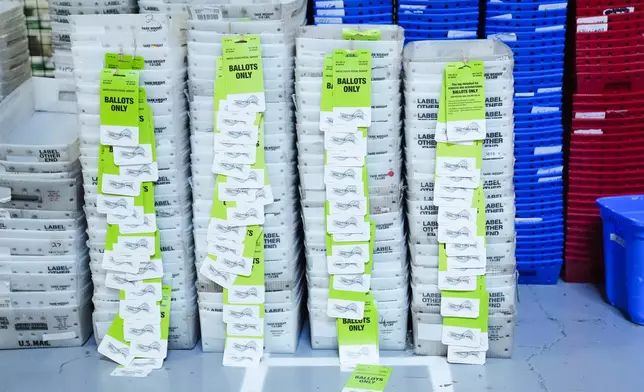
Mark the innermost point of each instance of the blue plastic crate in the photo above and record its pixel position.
(521, 60)
(542, 272)
(351, 3)
(541, 73)
(425, 26)
(538, 6)
(365, 19)
(413, 34)
(444, 4)
(536, 91)
(457, 18)
(521, 118)
(524, 182)
(531, 135)
(525, 228)
(552, 100)
(623, 232)
(352, 11)
(545, 170)
(538, 50)
(536, 43)
(493, 10)
(532, 241)
(508, 35)
(539, 213)
(524, 70)
(532, 193)
(525, 202)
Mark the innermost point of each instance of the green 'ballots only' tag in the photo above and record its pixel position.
(166, 303)
(119, 107)
(123, 61)
(243, 72)
(368, 378)
(326, 97)
(358, 339)
(364, 35)
(465, 101)
(351, 89)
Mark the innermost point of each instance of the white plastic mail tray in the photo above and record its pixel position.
(66, 326)
(37, 126)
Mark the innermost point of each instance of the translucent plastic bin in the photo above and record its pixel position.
(623, 219)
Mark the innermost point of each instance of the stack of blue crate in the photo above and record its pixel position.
(353, 12)
(535, 31)
(438, 20)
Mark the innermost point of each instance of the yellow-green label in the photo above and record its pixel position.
(119, 105)
(326, 98)
(369, 377)
(363, 331)
(352, 78)
(123, 61)
(465, 91)
(358, 35)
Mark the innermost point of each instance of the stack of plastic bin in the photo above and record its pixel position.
(424, 63)
(60, 15)
(605, 141)
(282, 226)
(160, 40)
(535, 31)
(15, 67)
(389, 281)
(44, 265)
(353, 11)
(437, 20)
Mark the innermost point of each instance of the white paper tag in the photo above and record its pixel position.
(150, 291)
(219, 228)
(357, 252)
(254, 179)
(149, 225)
(140, 310)
(472, 249)
(451, 215)
(460, 307)
(135, 217)
(465, 355)
(342, 308)
(552, 6)
(115, 350)
(246, 294)
(359, 283)
(354, 354)
(459, 336)
(211, 270)
(138, 155)
(456, 166)
(591, 115)
(343, 175)
(130, 372)
(454, 282)
(119, 185)
(345, 224)
(344, 159)
(246, 329)
(236, 170)
(106, 204)
(348, 205)
(241, 313)
(245, 214)
(126, 263)
(127, 244)
(592, 28)
(339, 265)
(141, 173)
(114, 135)
(149, 348)
(152, 269)
(134, 328)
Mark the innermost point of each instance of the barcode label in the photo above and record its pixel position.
(206, 13)
(5, 303)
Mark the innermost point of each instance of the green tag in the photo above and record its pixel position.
(116, 330)
(479, 323)
(368, 378)
(119, 107)
(219, 88)
(474, 150)
(352, 88)
(326, 97)
(123, 61)
(256, 277)
(364, 35)
(363, 331)
(465, 101)
(244, 76)
(166, 303)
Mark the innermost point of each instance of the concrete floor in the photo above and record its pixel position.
(568, 339)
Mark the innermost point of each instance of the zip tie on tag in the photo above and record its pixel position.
(124, 134)
(238, 134)
(458, 307)
(358, 114)
(147, 290)
(120, 280)
(345, 224)
(143, 363)
(227, 229)
(465, 354)
(343, 158)
(240, 359)
(357, 251)
(455, 166)
(251, 176)
(360, 353)
(225, 249)
(350, 138)
(232, 166)
(344, 264)
(345, 191)
(460, 336)
(145, 169)
(237, 191)
(351, 281)
(252, 292)
(224, 275)
(457, 233)
(452, 216)
(136, 151)
(154, 346)
(146, 222)
(237, 154)
(112, 261)
(121, 185)
(244, 327)
(464, 246)
(120, 203)
(147, 267)
(472, 127)
(251, 345)
(465, 259)
(457, 280)
(251, 100)
(342, 175)
(131, 372)
(233, 263)
(144, 307)
(124, 352)
(233, 122)
(140, 331)
(239, 314)
(252, 213)
(136, 245)
(353, 308)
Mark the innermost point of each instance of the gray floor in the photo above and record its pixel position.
(567, 340)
